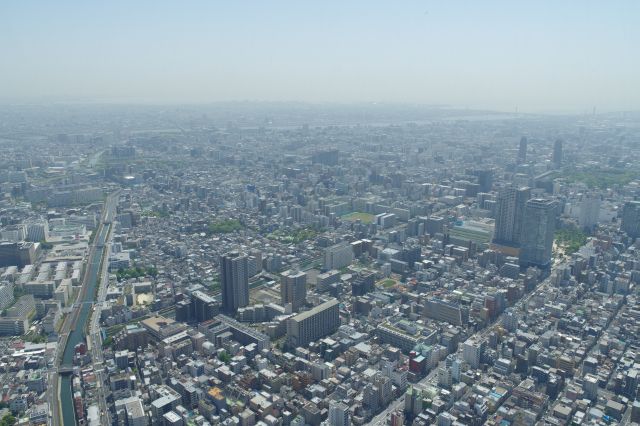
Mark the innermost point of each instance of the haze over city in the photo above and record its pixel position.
(546, 56)
(356, 213)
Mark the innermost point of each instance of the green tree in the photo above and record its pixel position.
(224, 357)
(8, 420)
(107, 342)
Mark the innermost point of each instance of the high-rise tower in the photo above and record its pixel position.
(293, 288)
(539, 227)
(557, 153)
(631, 219)
(510, 215)
(522, 152)
(235, 282)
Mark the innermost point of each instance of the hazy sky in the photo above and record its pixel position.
(536, 55)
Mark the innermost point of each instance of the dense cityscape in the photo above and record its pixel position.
(295, 264)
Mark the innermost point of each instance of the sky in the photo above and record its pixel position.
(533, 56)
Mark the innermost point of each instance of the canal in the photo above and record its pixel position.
(77, 335)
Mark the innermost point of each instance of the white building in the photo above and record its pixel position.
(339, 414)
(37, 231)
(472, 352)
(338, 256)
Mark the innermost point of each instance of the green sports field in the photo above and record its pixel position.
(364, 217)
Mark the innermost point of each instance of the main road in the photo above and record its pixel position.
(73, 330)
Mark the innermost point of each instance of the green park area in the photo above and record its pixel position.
(602, 178)
(364, 217)
(570, 239)
(225, 226)
(136, 272)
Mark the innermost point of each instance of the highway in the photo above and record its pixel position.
(383, 418)
(94, 339)
(72, 330)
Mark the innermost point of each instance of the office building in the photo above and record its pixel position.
(522, 151)
(293, 289)
(540, 225)
(235, 282)
(313, 324)
(339, 414)
(631, 218)
(509, 215)
(557, 153)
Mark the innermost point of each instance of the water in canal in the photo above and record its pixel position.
(78, 333)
